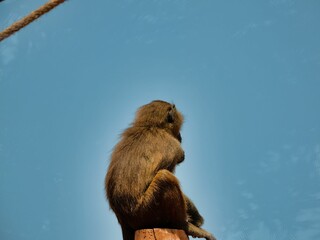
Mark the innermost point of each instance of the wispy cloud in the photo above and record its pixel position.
(261, 231)
(309, 220)
(309, 215)
(271, 163)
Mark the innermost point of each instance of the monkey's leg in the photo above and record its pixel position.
(163, 205)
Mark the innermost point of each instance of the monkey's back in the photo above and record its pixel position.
(136, 159)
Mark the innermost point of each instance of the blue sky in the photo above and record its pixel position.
(246, 75)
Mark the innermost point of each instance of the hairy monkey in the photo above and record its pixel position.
(140, 185)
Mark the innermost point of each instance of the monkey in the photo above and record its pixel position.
(140, 184)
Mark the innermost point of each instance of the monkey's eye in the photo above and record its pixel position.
(170, 117)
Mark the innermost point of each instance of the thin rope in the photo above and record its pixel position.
(29, 18)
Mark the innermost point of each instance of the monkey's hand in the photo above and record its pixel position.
(197, 232)
(210, 237)
(207, 236)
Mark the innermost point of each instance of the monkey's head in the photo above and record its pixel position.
(160, 114)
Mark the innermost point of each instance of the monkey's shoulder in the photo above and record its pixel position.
(150, 135)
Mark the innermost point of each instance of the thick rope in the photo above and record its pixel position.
(29, 18)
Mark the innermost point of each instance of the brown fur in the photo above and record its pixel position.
(141, 187)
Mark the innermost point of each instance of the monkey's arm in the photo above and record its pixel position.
(195, 220)
(194, 216)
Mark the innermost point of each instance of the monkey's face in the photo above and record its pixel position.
(176, 124)
(160, 114)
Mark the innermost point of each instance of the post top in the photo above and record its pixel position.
(160, 234)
